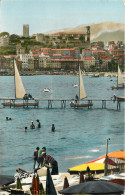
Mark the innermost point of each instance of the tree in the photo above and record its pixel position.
(4, 34)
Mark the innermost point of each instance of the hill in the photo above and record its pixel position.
(103, 31)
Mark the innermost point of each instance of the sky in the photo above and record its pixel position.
(46, 16)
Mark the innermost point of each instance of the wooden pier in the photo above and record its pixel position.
(63, 102)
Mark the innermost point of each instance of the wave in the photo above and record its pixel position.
(78, 157)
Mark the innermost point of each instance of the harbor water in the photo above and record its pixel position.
(80, 134)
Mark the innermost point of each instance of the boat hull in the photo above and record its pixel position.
(121, 99)
(20, 104)
(118, 87)
(78, 104)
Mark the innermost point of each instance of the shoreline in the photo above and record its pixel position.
(34, 73)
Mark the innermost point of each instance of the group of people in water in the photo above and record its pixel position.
(32, 126)
(42, 159)
(8, 119)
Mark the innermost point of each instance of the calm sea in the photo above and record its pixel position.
(80, 134)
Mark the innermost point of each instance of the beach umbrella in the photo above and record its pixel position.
(34, 185)
(94, 187)
(92, 167)
(18, 184)
(81, 178)
(6, 180)
(117, 154)
(50, 189)
(41, 189)
(66, 183)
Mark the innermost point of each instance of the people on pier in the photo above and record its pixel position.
(36, 159)
(39, 124)
(76, 98)
(50, 162)
(114, 97)
(25, 129)
(25, 97)
(53, 128)
(29, 96)
(32, 126)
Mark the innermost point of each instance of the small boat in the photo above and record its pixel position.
(121, 98)
(46, 90)
(120, 81)
(21, 98)
(75, 85)
(82, 95)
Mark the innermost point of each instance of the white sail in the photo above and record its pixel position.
(82, 93)
(120, 77)
(19, 88)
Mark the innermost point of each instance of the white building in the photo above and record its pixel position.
(24, 58)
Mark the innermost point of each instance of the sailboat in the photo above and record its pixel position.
(20, 93)
(120, 81)
(82, 94)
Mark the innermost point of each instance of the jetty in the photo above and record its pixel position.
(63, 102)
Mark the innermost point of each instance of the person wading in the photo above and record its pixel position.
(36, 159)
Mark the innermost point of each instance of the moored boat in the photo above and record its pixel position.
(82, 95)
(120, 81)
(121, 98)
(21, 98)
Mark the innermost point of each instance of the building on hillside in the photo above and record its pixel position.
(119, 58)
(66, 64)
(116, 51)
(75, 52)
(26, 30)
(24, 58)
(88, 63)
(105, 61)
(98, 43)
(1, 62)
(66, 39)
(97, 53)
(86, 53)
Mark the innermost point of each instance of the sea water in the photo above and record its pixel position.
(80, 134)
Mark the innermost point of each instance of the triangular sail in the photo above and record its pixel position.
(19, 88)
(82, 93)
(120, 78)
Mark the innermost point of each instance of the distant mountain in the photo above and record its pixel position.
(106, 31)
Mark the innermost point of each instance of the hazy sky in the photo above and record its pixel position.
(45, 16)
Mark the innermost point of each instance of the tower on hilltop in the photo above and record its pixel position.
(26, 30)
(88, 32)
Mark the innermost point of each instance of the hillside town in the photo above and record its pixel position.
(58, 52)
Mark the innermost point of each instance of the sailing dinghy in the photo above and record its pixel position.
(82, 94)
(20, 93)
(120, 81)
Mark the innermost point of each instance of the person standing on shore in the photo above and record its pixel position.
(41, 158)
(50, 162)
(36, 159)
